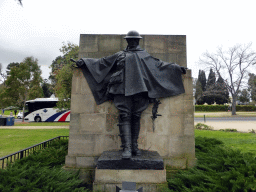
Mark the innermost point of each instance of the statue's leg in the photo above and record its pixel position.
(123, 104)
(140, 103)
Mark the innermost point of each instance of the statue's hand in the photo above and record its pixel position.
(79, 63)
(183, 70)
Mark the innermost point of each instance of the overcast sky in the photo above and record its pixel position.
(39, 27)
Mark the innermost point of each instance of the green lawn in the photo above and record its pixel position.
(12, 140)
(42, 124)
(246, 142)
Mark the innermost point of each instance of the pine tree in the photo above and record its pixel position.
(221, 93)
(202, 79)
(252, 86)
(210, 88)
(200, 87)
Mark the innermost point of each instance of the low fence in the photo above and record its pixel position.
(25, 152)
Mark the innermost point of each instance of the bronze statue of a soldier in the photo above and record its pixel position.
(132, 78)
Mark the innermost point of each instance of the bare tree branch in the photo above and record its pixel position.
(233, 65)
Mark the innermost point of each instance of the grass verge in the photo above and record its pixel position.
(41, 124)
(246, 142)
(13, 140)
(224, 114)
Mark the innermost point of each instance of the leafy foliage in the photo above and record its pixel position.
(252, 86)
(215, 108)
(200, 87)
(218, 169)
(244, 96)
(62, 72)
(202, 126)
(41, 171)
(233, 65)
(23, 82)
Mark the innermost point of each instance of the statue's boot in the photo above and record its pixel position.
(135, 136)
(121, 135)
(127, 138)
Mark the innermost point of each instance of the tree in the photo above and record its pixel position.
(47, 89)
(23, 83)
(62, 72)
(233, 65)
(200, 87)
(202, 79)
(11, 65)
(244, 96)
(252, 86)
(221, 94)
(209, 93)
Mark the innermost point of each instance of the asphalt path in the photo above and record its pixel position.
(222, 119)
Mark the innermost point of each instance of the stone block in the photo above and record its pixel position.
(175, 163)
(182, 60)
(188, 107)
(88, 43)
(172, 58)
(176, 125)
(189, 125)
(85, 145)
(164, 107)
(111, 123)
(176, 105)
(157, 142)
(138, 176)
(146, 123)
(109, 43)
(85, 162)
(189, 146)
(70, 161)
(74, 123)
(93, 123)
(110, 142)
(82, 103)
(187, 81)
(95, 55)
(176, 147)
(155, 44)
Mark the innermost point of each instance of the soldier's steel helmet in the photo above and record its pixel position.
(133, 35)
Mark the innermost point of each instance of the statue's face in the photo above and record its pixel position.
(133, 43)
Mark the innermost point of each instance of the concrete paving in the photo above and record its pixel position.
(240, 126)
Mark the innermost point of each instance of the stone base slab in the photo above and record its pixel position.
(146, 187)
(138, 176)
(107, 179)
(113, 160)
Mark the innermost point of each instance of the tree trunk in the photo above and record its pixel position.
(234, 98)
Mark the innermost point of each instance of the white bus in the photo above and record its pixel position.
(42, 109)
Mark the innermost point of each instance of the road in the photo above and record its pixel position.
(221, 119)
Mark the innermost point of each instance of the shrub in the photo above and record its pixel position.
(41, 171)
(218, 169)
(228, 130)
(215, 108)
(202, 126)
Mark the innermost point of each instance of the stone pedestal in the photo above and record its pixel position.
(93, 128)
(150, 180)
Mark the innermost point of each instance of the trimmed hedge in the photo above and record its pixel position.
(215, 108)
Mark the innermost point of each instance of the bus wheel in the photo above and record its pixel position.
(37, 119)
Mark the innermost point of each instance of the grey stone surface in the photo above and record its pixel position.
(147, 160)
(94, 129)
(138, 176)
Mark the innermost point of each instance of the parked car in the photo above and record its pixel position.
(11, 108)
(20, 115)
